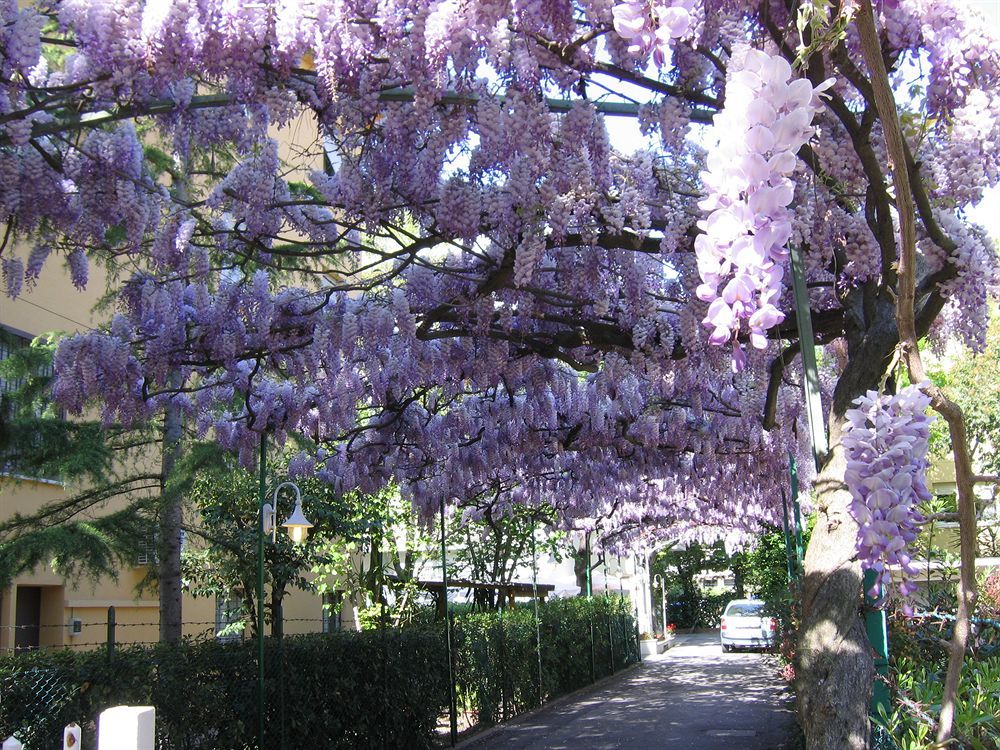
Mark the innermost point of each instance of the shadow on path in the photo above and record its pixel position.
(693, 696)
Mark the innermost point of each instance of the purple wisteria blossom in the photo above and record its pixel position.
(886, 442)
(741, 255)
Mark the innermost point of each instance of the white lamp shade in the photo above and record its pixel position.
(297, 524)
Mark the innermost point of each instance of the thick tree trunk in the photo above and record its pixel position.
(277, 612)
(169, 538)
(834, 662)
(834, 666)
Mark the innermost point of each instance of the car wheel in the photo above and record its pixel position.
(726, 648)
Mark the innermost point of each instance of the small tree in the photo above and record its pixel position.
(498, 542)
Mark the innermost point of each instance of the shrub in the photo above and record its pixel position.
(497, 663)
(339, 690)
(918, 690)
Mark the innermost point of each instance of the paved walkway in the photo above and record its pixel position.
(692, 697)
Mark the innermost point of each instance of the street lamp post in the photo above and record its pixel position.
(298, 527)
(658, 583)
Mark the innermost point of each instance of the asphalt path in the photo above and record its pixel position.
(693, 696)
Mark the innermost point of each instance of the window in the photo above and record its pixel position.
(332, 601)
(10, 342)
(10, 461)
(146, 552)
(745, 609)
(229, 622)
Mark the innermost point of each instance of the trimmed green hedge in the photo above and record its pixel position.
(340, 690)
(497, 670)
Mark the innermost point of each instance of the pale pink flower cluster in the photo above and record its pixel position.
(741, 255)
(653, 26)
(886, 443)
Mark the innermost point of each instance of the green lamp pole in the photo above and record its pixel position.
(261, 502)
(298, 527)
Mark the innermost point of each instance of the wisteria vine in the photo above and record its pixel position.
(458, 279)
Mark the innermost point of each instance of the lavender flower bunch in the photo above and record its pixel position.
(653, 27)
(741, 255)
(886, 441)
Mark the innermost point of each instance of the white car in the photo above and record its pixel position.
(745, 626)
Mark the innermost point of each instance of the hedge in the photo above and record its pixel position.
(339, 690)
(342, 690)
(497, 670)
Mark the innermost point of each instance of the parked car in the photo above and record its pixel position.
(744, 625)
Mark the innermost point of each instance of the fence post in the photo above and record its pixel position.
(279, 623)
(383, 624)
(71, 737)
(593, 650)
(452, 697)
(538, 619)
(611, 642)
(111, 633)
(502, 662)
(638, 645)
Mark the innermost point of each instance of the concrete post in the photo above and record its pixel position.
(71, 737)
(127, 728)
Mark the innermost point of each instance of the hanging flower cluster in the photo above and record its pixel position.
(652, 27)
(766, 120)
(886, 441)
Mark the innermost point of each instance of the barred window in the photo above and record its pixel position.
(10, 342)
(146, 552)
(229, 622)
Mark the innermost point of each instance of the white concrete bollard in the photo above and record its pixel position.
(71, 737)
(12, 743)
(127, 728)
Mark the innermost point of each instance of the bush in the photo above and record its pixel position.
(339, 690)
(918, 690)
(698, 610)
(344, 690)
(497, 663)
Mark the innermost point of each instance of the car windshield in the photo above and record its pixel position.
(745, 609)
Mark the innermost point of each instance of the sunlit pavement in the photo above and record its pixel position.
(693, 696)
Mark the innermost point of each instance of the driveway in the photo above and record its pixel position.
(693, 696)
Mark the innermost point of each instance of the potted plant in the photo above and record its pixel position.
(668, 635)
(647, 644)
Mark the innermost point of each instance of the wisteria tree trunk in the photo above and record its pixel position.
(835, 667)
(834, 664)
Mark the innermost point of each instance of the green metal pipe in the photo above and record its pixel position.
(452, 700)
(878, 634)
(261, 495)
(793, 470)
(788, 536)
(807, 346)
